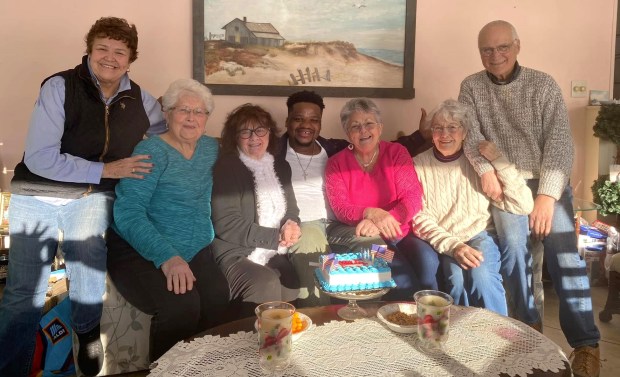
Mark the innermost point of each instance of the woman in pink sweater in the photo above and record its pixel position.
(374, 192)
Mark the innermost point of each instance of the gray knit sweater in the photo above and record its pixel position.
(528, 121)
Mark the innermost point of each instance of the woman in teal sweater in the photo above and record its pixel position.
(157, 247)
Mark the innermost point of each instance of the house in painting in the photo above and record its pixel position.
(252, 33)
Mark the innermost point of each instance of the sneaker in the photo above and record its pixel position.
(90, 354)
(586, 362)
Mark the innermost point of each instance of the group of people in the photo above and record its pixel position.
(196, 231)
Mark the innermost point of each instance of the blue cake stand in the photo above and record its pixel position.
(352, 311)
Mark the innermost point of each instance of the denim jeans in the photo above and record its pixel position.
(34, 227)
(481, 286)
(568, 273)
(566, 269)
(516, 263)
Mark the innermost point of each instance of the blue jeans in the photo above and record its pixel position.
(516, 263)
(481, 286)
(568, 273)
(34, 227)
(566, 269)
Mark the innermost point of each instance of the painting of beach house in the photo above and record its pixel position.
(246, 33)
(265, 47)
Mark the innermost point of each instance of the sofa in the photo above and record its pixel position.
(124, 334)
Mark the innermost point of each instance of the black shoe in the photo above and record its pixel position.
(90, 355)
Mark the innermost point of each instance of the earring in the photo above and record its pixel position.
(350, 146)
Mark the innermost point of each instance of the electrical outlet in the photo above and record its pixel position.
(579, 88)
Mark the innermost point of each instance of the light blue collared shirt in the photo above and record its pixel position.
(47, 123)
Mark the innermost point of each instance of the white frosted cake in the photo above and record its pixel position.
(353, 272)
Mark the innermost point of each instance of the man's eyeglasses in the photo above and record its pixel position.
(357, 127)
(501, 49)
(246, 133)
(185, 111)
(451, 129)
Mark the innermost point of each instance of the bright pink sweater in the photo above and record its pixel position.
(391, 185)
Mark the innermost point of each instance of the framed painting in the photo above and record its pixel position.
(356, 48)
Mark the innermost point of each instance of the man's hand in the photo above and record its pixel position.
(489, 150)
(427, 134)
(542, 216)
(289, 233)
(467, 257)
(179, 276)
(491, 186)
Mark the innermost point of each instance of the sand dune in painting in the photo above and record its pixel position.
(313, 64)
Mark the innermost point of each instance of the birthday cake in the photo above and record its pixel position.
(355, 271)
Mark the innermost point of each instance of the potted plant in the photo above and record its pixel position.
(607, 127)
(606, 195)
(606, 190)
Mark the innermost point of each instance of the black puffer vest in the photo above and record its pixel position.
(93, 131)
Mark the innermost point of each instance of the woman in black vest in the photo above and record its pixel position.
(85, 124)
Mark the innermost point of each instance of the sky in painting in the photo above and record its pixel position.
(376, 24)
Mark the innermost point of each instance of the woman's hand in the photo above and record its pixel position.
(467, 257)
(179, 276)
(130, 167)
(366, 228)
(388, 226)
(489, 150)
(289, 233)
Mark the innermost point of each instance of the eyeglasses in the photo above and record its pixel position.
(185, 111)
(501, 49)
(451, 129)
(246, 133)
(356, 128)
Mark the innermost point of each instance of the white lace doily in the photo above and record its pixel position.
(481, 343)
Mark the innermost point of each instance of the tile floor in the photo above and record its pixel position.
(610, 331)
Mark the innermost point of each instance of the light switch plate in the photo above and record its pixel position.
(579, 88)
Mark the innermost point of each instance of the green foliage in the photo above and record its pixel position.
(606, 195)
(607, 125)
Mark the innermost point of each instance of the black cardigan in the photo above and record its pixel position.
(233, 210)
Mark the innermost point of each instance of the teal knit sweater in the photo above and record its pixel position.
(168, 213)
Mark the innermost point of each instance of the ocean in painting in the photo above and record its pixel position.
(390, 56)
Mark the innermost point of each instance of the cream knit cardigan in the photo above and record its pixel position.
(454, 206)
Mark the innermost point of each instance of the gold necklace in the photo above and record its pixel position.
(304, 171)
(372, 159)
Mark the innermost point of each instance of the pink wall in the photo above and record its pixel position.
(570, 39)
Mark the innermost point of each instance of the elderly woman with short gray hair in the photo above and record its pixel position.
(157, 247)
(374, 192)
(456, 219)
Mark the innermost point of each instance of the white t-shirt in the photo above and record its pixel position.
(309, 184)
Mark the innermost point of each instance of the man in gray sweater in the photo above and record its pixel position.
(522, 111)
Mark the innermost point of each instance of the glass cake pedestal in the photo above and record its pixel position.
(352, 311)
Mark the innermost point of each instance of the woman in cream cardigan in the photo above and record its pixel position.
(455, 219)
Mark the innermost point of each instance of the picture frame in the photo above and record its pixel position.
(287, 65)
(599, 97)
